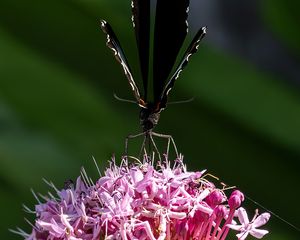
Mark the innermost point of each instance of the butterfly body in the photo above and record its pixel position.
(170, 31)
(149, 116)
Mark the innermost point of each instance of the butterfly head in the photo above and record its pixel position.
(149, 116)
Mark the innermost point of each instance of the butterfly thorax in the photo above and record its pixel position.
(149, 116)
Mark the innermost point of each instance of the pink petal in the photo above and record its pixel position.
(136, 175)
(242, 215)
(258, 233)
(177, 215)
(52, 227)
(242, 235)
(261, 220)
(65, 221)
(235, 227)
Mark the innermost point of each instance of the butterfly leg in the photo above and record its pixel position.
(148, 136)
(170, 140)
(143, 147)
(154, 145)
(131, 137)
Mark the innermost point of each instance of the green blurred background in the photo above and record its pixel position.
(57, 110)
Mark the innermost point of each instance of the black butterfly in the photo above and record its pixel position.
(171, 28)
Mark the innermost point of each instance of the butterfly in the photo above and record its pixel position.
(171, 28)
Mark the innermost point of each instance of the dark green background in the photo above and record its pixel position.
(57, 110)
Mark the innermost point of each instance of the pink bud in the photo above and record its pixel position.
(238, 193)
(235, 200)
(220, 211)
(215, 198)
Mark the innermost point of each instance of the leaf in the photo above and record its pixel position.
(283, 19)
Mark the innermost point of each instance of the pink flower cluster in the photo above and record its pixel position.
(143, 201)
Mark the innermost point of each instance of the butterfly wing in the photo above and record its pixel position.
(193, 48)
(114, 44)
(170, 31)
(141, 24)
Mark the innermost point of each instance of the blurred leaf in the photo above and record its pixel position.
(23, 154)
(12, 202)
(52, 98)
(255, 100)
(283, 18)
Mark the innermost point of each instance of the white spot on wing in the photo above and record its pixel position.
(112, 45)
(132, 18)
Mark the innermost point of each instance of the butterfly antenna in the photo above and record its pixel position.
(182, 101)
(123, 99)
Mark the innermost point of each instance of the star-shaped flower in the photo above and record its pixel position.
(247, 227)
